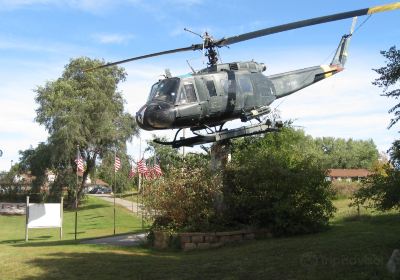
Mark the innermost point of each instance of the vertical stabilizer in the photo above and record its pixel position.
(340, 57)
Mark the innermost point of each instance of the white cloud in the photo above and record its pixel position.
(112, 38)
(16, 4)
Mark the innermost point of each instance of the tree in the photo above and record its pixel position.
(169, 158)
(106, 172)
(84, 110)
(389, 78)
(342, 153)
(381, 190)
(165, 155)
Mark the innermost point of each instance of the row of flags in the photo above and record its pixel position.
(148, 172)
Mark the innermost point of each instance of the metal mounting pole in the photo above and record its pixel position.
(27, 218)
(115, 185)
(76, 194)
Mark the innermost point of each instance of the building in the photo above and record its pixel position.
(347, 175)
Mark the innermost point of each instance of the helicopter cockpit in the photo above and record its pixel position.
(164, 90)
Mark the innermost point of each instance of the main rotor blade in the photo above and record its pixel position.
(193, 47)
(307, 22)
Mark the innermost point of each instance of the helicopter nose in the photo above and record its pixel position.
(140, 118)
(155, 116)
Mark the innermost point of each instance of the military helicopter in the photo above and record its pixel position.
(206, 99)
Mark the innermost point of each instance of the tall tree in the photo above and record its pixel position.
(381, 190)
(389, 80)
(84, 110)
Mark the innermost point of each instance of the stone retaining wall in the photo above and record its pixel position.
(204, 240)
(12, 208)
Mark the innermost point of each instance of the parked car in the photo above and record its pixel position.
(101, 190)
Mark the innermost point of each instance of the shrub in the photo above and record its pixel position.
(344, 189)
(186, 200)
(273, 182)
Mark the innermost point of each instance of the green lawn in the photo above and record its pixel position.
(354, 248)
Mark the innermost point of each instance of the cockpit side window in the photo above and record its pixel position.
(152, 92)
(182, 96)
(165, 90)
(190, 92)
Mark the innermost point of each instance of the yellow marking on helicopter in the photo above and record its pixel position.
(328, 70)
(384, 8)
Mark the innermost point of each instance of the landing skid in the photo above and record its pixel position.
(223, 135)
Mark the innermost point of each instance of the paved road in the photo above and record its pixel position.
(131, 206)
(119, 240)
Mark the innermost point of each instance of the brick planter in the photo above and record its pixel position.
(205, 240)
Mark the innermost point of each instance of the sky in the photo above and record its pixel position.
(39, 37)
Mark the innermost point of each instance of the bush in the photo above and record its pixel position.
(344, 189)
(273, 182)
(186, 200)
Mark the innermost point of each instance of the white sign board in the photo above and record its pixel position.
(44, 215)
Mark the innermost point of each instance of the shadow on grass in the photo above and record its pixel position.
(33, 243)
(90, 207)
(236, 262)
(381, 218)
(104, 265)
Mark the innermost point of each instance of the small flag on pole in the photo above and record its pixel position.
(142, 168)
(157, 170)
(117, 164)
(132, 172)
(79, 164)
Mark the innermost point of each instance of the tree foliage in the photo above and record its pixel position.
(119, 180)
(389, 80)
(170, 158)
(345, 154)
(85, 110)
(382, 189)
(276, 182)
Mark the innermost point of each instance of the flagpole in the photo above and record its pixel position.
(140, 154)
(115, 185)
(76, 192)
(132, 190)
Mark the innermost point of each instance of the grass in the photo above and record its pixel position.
(354, 248)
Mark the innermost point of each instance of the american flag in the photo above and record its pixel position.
(142, 168)
(157, 170)
(79, 164)
(117, 164)
(132, 172)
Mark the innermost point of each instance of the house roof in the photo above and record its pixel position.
(348, 172)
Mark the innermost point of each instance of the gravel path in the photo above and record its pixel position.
(131, 206)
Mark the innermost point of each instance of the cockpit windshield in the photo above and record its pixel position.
(165, 90)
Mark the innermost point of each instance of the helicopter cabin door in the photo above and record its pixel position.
(188, 107)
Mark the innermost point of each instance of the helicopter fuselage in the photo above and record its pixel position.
(221, 93)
